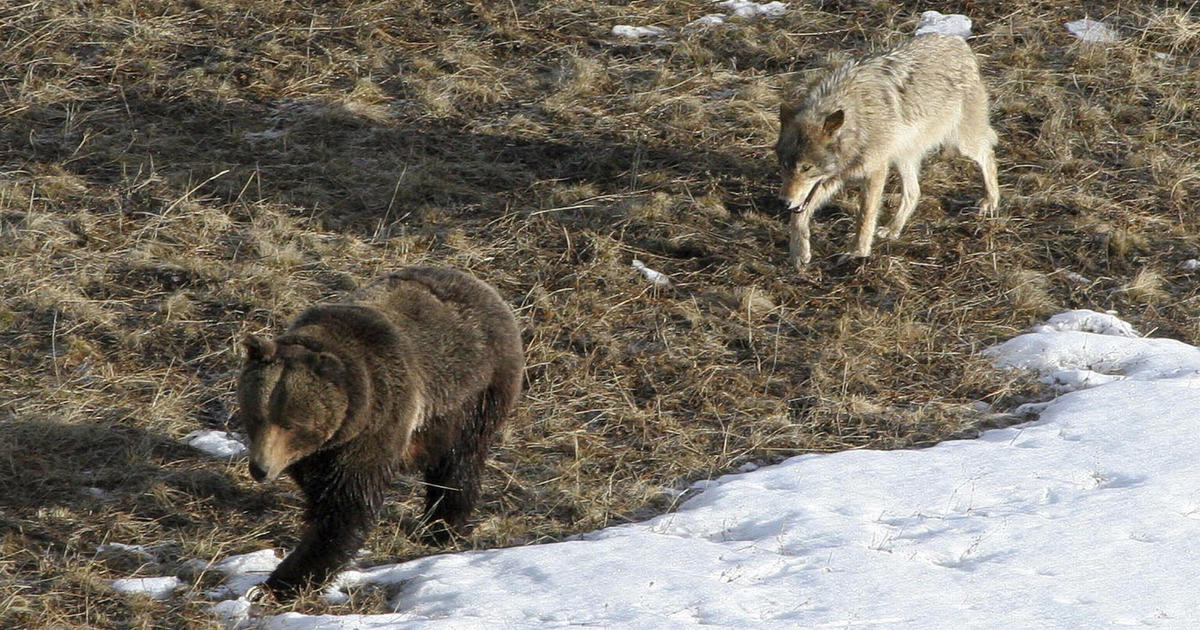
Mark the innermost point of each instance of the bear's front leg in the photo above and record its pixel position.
(329, 542)
(342, 508)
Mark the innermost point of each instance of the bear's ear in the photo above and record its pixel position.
(259, 349)
(327, 366)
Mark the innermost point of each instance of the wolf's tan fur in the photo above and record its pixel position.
(886, 110)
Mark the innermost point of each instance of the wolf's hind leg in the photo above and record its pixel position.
(976, 140)
(987, 164)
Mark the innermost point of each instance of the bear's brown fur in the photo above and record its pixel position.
(416, 371)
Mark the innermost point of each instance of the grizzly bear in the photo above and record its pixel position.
(414, 372)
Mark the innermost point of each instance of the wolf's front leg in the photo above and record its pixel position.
(872, 197)
(798, 235)
(910, 192)
(798, 231)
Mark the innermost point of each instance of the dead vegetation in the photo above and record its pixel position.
(177, 174)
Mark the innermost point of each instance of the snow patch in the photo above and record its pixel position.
(744, 9)
(1086, 320)
(261, 561)
(1081, 349)
(243, 572)
(137, 551)
(1071, 380)
(637, 32)
(216, 443)
(712, 19)
(153, 587)
(232, 611)
(933, 22)
(657, 278)
(1190, 265)
(748, 9)
(1092, 31)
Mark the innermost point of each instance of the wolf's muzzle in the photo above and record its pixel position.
(800, 207)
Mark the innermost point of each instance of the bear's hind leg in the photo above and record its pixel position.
(453, 476)
(452, 487)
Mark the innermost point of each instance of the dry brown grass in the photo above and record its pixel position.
(177, 174)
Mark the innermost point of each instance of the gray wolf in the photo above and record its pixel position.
(886, 110)
(417, 370)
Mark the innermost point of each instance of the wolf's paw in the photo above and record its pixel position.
(849, 263)
(800, 260)
(887, 233)
(987, 208)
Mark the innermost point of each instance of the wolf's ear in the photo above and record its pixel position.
(833, 122)
(258, 349)
(787, 111)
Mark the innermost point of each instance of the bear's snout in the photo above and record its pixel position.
(257, 471)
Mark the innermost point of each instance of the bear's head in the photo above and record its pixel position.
(293, 401)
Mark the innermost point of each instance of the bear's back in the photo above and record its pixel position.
(457, 328)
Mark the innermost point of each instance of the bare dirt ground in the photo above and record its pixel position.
(176, 174)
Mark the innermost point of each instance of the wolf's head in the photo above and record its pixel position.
(807, 151)
(293, 401)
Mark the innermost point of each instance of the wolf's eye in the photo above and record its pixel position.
(804, 168)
